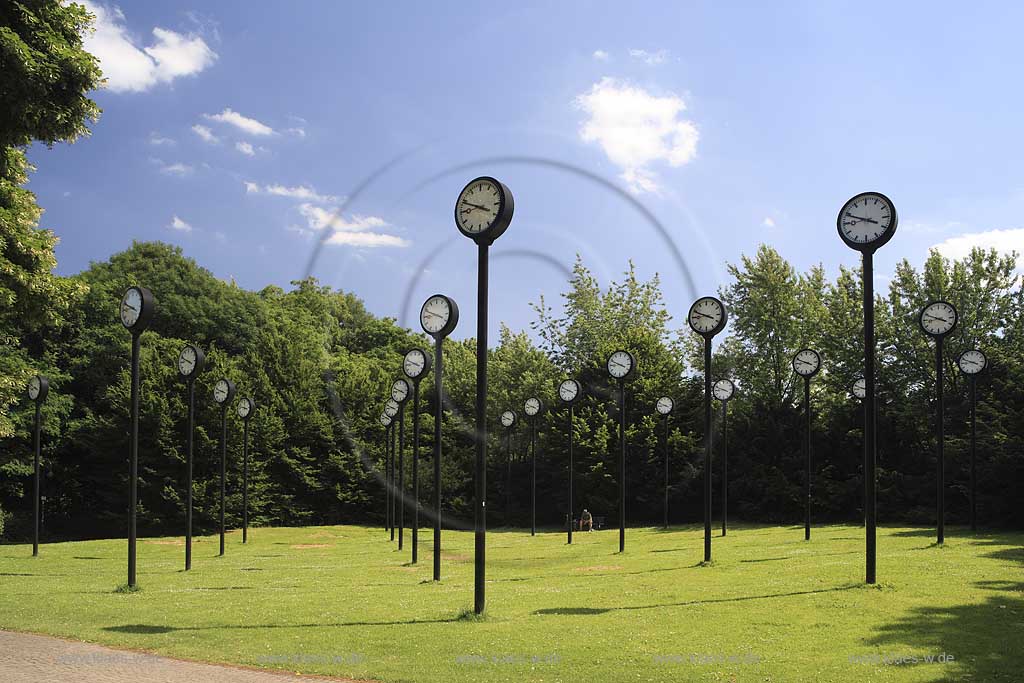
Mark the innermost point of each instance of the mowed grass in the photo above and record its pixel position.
(344, 601)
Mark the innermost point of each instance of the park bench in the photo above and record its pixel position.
(598, 523)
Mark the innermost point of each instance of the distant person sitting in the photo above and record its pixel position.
(586, 521)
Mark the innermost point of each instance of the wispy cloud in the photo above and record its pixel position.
(205, 134)
(179, 225)
(241, 122)
(301, 192)
(245, 148)
(177, 168)
(636, 128)
(156, 139)
(650, 58)
(128, 67)
(297, 131)
(768, 222)
(354, 231)
(601, 55)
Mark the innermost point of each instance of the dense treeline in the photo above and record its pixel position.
(319, 366)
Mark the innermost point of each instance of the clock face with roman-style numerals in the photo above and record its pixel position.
(867, 221)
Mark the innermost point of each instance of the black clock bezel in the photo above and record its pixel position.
(200, 362)
(385, 420)
(387, 404)
(721, 324)
(145, 315)
(632, 365)
(671, 405)
(579, 391)
(868, 247)
(44, 388)
(971, 374)
(853, 389)
(408, 390)
(540, 407)
(428, 362)
(817, 367)
(515, 418)
(252, 407)
(501, 222)
(231, 392)
(732, 388)
(956, 319)
(453, 318)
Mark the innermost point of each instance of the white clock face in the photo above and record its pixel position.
(131, 307)
(478, 206)
(938, 318)
(399, 390)
(619, 364)
(664, 405)
(568, 390)
(385, 421)
(414, 363)
(866, 218)
(187, 361)
(860, 388)
(391, 408)
(723, 389)
(435, 314)
(221, 391)
(34, 387)
(706, 315)
(244, 408)
(972, 362)
(508, 418)
(532, 406)
(806, 363)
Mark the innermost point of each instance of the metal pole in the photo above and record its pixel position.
(533, 478)
(508, 477)
(666, 469)
(807, 453)
(133, 461)
(223, 467)
(868, 286)
(36, 492)
(570, 475)
(401, 475)
(725, 465)
(438, 414)
(394, 514)
(245, 480)
(708, 442)
(387, 479)
(622, 466)
(940, 437)
(480, 562)
(974, 479)
(188, 477)
(415, 470)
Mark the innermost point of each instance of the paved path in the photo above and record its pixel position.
(26, 658)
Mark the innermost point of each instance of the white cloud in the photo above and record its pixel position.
(367, 239)
(180, 225)
(297, 132)
(245, 148)
(243, 123)
(357, 231)
(130, 68)
(251, 188)
(1003, 241)
(205, 134)
(319, 218)
(636, 128)
(601, 55)
(177, 168)
(303, 192)
(650, 58)
(768, 222)
(157, 139)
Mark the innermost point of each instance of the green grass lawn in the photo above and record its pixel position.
(344, 601)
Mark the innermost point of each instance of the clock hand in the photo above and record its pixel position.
(704, 315)
(131, 308)
(861, 218)
(475, 206)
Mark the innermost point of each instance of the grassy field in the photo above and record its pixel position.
(343, 601)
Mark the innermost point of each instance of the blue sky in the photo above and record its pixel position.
(242, 130)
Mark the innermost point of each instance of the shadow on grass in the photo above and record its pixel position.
(602, 610)
(156, 629)
(768, 559)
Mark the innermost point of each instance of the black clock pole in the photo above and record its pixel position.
(401, 475)
(415, 469)
(622, 466)
(940, 437)
(480, 561)
(245, 479)
(708, 441)
(807, 456)
(974, 480)
(725, 464)
(870, 518)
(188, 468)
(387, 478)
(393, 488)
(533, 476)
(223, 466)
(36, 492)
(571, 513)
(438, 414)
(665, 420)
(508, 476)
(133, 466)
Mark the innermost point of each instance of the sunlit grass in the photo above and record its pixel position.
(344, 601)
